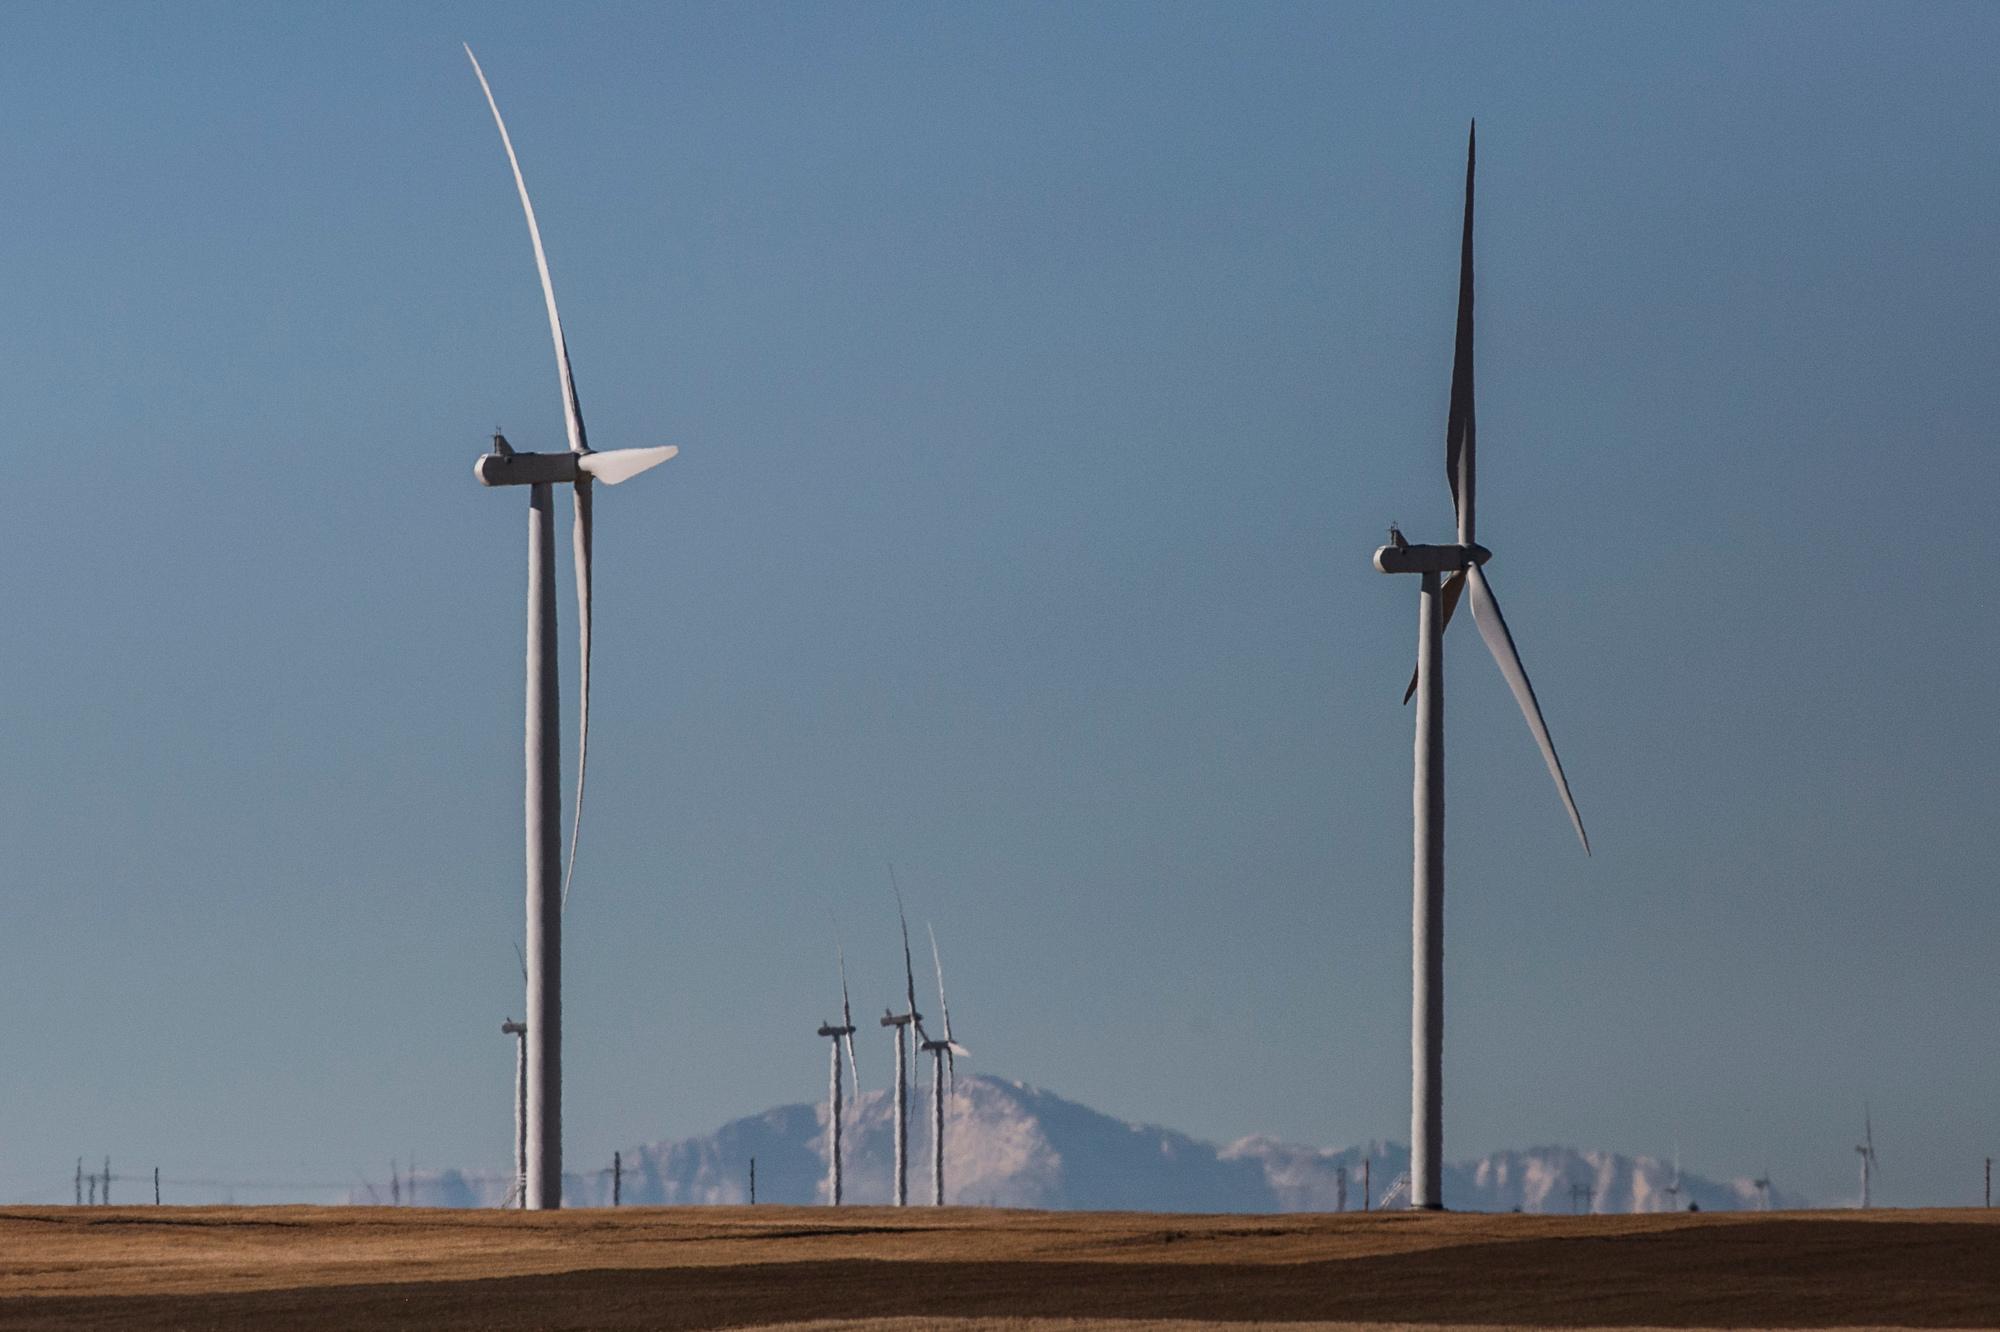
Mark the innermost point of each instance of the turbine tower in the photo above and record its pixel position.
(843, 1032)
(941, 1053)
(1447, 572)
(548, 885)
(903, 1022)
(1865, 1151)
(518, 1195)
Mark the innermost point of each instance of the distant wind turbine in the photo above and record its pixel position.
(1867, 1153)
(942, 1053)
(1763, 1186)
(842, 1033)
(909, 1018)
(1463, 563)
(548, 885)
(517, 1196)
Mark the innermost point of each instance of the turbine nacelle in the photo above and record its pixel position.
(1402, 557)
(525, 469)
(506, 467)
(828, 1029)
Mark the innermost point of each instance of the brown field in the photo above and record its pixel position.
(970, 1269)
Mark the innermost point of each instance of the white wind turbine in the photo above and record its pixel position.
(842, 1033)
(1463, 563)
(517, 1196)
(942, 1053)
(1866, 1151)
(911, 1021)
(548, 886)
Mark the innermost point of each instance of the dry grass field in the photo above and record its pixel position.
(971, 1269)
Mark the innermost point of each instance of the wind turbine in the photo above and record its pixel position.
(1462, 561)
(909, 1018)
(548, 885)
(1673, 1190)
(843, 1032)
(518, 1195)
(1867, 1153)
(1763, 1186)
(941, 1053)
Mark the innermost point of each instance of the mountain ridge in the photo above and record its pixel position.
(1014, 1144)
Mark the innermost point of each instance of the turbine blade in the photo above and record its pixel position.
(852, 1067)
(580, 533)
(944, 1009)
(1493, 628)
(1461, 428)
(1453, 587)
(572, 411)
(909, 969)
(573, 427)
(612, 466)
(846, 1012)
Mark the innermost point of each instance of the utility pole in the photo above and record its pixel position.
(1367, 1192)
(753, 1181)
(1340, 1189)
(79, 1179)
(156, 1186)
(1989, 1181)
(617, 1178)
(107, 1181)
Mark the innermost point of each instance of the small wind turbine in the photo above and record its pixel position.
(941, 1053)
(842, 1033)
(1763, 1186)
(1463, 562)
(517, 1196)
(1673, 1190)
(548, 885)
(517, 1192)
(909, 1018)
(1867, 1153)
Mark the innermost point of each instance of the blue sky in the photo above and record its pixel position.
(1044, 378)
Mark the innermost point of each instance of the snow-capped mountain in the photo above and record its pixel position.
(1009, 1144)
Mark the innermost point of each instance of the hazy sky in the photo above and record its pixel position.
(1044, 378)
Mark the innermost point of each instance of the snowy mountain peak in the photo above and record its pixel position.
(1011, 1144)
